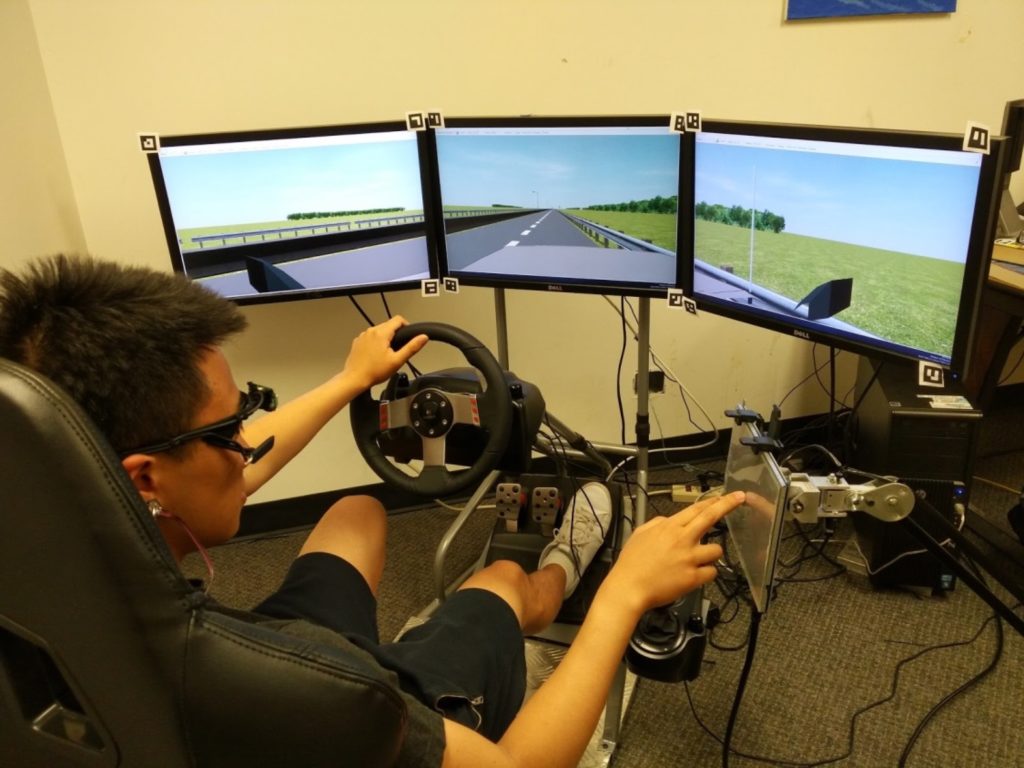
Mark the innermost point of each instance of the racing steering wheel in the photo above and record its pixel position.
(431, 412)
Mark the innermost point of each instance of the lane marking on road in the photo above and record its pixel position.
(524, 232)
(511, 243)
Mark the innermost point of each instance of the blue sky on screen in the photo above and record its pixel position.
(256, 186)
(564, 171)
(898, 205)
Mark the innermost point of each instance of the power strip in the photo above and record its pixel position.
(687, 493)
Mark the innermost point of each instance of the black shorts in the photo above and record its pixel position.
(467, 661)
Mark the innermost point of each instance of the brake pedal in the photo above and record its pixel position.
(509, 499)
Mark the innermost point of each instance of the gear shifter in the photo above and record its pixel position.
(668, 642)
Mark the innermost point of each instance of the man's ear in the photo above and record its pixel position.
(142, 471)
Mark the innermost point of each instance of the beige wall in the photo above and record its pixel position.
(37, 206)
(117, 67)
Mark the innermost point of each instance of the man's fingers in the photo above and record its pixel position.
(412, 347)
(712, 509)
(707, 553)
(392, 324)
(706, 574)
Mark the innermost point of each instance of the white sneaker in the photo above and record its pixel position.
(585, 524)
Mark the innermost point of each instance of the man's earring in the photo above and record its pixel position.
(155, 509)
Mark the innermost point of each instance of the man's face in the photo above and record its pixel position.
(205, 488)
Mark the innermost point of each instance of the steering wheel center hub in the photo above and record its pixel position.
(431, 413)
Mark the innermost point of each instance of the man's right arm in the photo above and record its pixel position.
(663, 559)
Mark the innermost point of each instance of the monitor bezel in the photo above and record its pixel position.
(562, 285)
(975, 266)
(277, 248)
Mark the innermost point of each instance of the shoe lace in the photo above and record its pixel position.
(581, 520)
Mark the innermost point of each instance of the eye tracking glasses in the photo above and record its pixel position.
(221, 434)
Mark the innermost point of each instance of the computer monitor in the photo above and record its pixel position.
(583, 204)
(1010, 220)
(755, 527)
(297, 213)
(868, 240)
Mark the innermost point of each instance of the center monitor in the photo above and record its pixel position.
(587, 204)
(296, 213)
(873, 241)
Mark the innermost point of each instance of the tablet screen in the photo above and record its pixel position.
(755, 527)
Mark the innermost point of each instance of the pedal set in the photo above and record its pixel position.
(545, 504)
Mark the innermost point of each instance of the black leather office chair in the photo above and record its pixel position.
(109, 657)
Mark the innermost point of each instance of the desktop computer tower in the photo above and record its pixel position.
(924, 436)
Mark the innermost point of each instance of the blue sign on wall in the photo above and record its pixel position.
(817, 9)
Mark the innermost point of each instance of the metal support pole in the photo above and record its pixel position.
(502, 325)
(643, 424)
(454, 528)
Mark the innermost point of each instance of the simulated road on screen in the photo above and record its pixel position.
(376, 264)
(547, 244)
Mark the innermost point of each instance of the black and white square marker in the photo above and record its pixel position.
(930, 375)
(149, 142)
(693, 122)
(414, 121)
(451, 285)
(678, 123)
(690, 305)
(676, 298)
(435, 120)
(430, 287)
(976, 138)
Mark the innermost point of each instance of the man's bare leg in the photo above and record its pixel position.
(354, 529)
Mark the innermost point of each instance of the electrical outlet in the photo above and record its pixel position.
(655, 382)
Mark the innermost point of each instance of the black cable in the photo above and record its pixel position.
(826, 539)
(1016, 365)
(366, 317)
(926, 720)
(618, 378)
(384, 301)
(851, 421)
(831, 393)
(996, 656)
(755, 623)
(829, 390)
(802, 381)
(853, 721)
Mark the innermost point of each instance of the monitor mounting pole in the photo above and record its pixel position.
(643, 423)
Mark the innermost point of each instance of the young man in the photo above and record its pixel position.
(140, 351)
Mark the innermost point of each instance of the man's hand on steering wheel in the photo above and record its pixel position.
(371, 359)
(429, 414)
